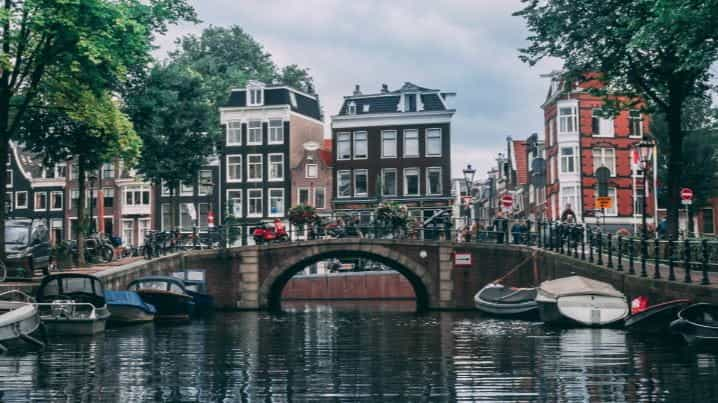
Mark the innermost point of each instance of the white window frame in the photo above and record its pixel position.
(230, 197)
(358, 172)
(27, 201)
(269, 168)
(565, 196)
(324, 198)
(361, 133)
(255, 96)
(269, 202)
(251, 129)
(241, 168)
(111, 170)
(35, 197)
(307, 174)
(339, 193)
(9, 178)
(309, 196)
(261, 167)
(352, 108)
(51, 199)
(602, 123)
(612, 168)
(186, 189)
(348, 140)
(568, 159)
(276, 130)
(57, 170)
(415, 135)
(406, 183)
(431, 133)
(640, 124)
(613, 194)
(570, 119)
(428, 187)
(384, 134)
(234, 130)
(199, 181)
(396, 181)
(249, 202)
(292, 99)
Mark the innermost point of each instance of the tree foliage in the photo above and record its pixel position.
(657, 51)
(301, 215)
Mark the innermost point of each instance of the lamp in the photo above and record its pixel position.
(469, 174)
(645, 150)
(645, 153)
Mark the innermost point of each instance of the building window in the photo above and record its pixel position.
(433, 181)
(40, 201)
(128, 230)
(320, 198)
(254, 133)
(108, 197)
(388, 144)
(365, 108)
(388, 182)
(311, 171)
(568, 160)
(344, 184)
(635, 123)
(601, 126)
(254, 167)
(203, 216)
(411, 182)
(165, 189)
(567, 119)
(8, 178)
(276, 131)
(604, 157)
(614, 203)
(638, 202)
(254, 198)
(20, 199)
(234, 133)
(137, 196)
(361, 184)
(108, 170)
(569, 198)
(551, 132)
(352, 108)
(56, 199)
(411, 143)
(708, 225)
(186, 189)
(276, 202)
(234, 203)
(74, 171)
(276, 167)
(360, 146)
(344, 149)
(234, 168)
(303, 196)
(204, 182)
(410, 103)
(256, 96)
(166, 218)
(188, 215)
(433, 142)
(292, 99)
(61, 170)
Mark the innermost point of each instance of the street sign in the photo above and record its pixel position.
(686, 202)
(462, 259)
(507, 200)
(686, 194)
(604, 202)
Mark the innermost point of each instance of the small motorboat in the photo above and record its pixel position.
(19, 321)
(196, 286)
(698, 324)
(126, 307)
(167, 294)
(580, 301)
(497, 299)
(72, 304)
(655, 318)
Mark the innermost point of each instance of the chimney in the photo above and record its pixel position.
(357, 91)
(384, 88)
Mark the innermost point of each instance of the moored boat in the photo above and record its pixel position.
(126, 307)
(72, 304)
(580, 301)
(167, 294)
(698, 324)
(655, 318)
(196, 286)
(497, 299)
(20, 322)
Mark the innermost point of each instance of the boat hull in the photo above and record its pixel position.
(499, 301)
(20, 326)
(128, 314)
(170, 306)
(583, 310)
(655, 319)
(698, 324)
(63, 326)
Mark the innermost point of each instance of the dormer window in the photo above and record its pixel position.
(292, 99)
(352, 108)
(410, 103)
(365, 108)
(255, 96)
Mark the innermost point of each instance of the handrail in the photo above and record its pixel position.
(93, 310)
(28, 298)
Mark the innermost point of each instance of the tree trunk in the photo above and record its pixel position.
(675, 165)
(81, 214)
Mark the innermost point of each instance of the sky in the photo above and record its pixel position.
(465, 46)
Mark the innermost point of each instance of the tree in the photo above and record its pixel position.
(172, 110)
(657, 51)
(301, 215)
(94, 42)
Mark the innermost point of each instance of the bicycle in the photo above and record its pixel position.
(3, 271)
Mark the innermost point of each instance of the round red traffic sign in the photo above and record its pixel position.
(507, 200)
(686, 194)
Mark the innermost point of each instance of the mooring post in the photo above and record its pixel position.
(600, 249)
(583, 246)
(687, 260)
(610, 255)
(705, 280)
(656, 259)
(671, 272)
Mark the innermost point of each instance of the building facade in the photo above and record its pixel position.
(393, 146)
(312, 179)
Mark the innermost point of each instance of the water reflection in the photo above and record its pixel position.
(353, 351)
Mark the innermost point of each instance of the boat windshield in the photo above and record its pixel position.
(157, 285)
(16, 235)
(85, 285)
(192, 287)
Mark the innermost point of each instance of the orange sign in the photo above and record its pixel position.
(604, 202)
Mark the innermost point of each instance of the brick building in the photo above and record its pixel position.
(312, 182)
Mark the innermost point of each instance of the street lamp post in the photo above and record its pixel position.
(645, 151)
(469, 174)
(92, 178)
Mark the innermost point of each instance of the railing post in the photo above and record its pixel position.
(671, 272)
(561, 238)
(620, 253)
(600, 249)
(705, 280)
(538, 234)
(656, 260)
(575, 241)
(610, 255)
(583, 246)
(687, 260)
(644, 256)
(528, 232)
(590, 246)
(631, 250)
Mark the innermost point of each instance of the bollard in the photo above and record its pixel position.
(656, 259)
(644, 256)
(583, 248)
(590, 246)
(600, 249)
(687, 260)
(561, 239)
(671, 272)
(610, 246)
(631, 247)
(620, 253)
(705, 280)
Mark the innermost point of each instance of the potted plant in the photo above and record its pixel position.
(301, 215)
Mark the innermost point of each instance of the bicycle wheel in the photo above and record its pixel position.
(107, 253)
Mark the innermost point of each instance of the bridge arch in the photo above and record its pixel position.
(420, 278)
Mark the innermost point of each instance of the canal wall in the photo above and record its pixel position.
(360, 285)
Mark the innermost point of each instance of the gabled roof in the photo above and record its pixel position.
(302, 103)
(429, 100)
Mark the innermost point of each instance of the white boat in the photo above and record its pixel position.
(72, 304)
(580, 301)
(497, 299)
(19, 321)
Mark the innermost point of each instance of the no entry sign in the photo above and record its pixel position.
(686, 194)
(507, 201)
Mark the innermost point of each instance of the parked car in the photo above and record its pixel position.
(27, 248)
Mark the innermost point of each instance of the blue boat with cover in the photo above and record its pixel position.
(126, 307)
(196, 286)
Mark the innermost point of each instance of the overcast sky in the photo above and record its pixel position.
(465, 46)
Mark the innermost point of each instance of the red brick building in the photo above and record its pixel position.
(578, 141)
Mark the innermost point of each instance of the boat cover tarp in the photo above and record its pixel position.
(129, 298)
(574, 285)
(506, 295)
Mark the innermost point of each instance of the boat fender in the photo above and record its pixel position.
(639, 304)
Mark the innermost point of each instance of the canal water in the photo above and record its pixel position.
(357, 352)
